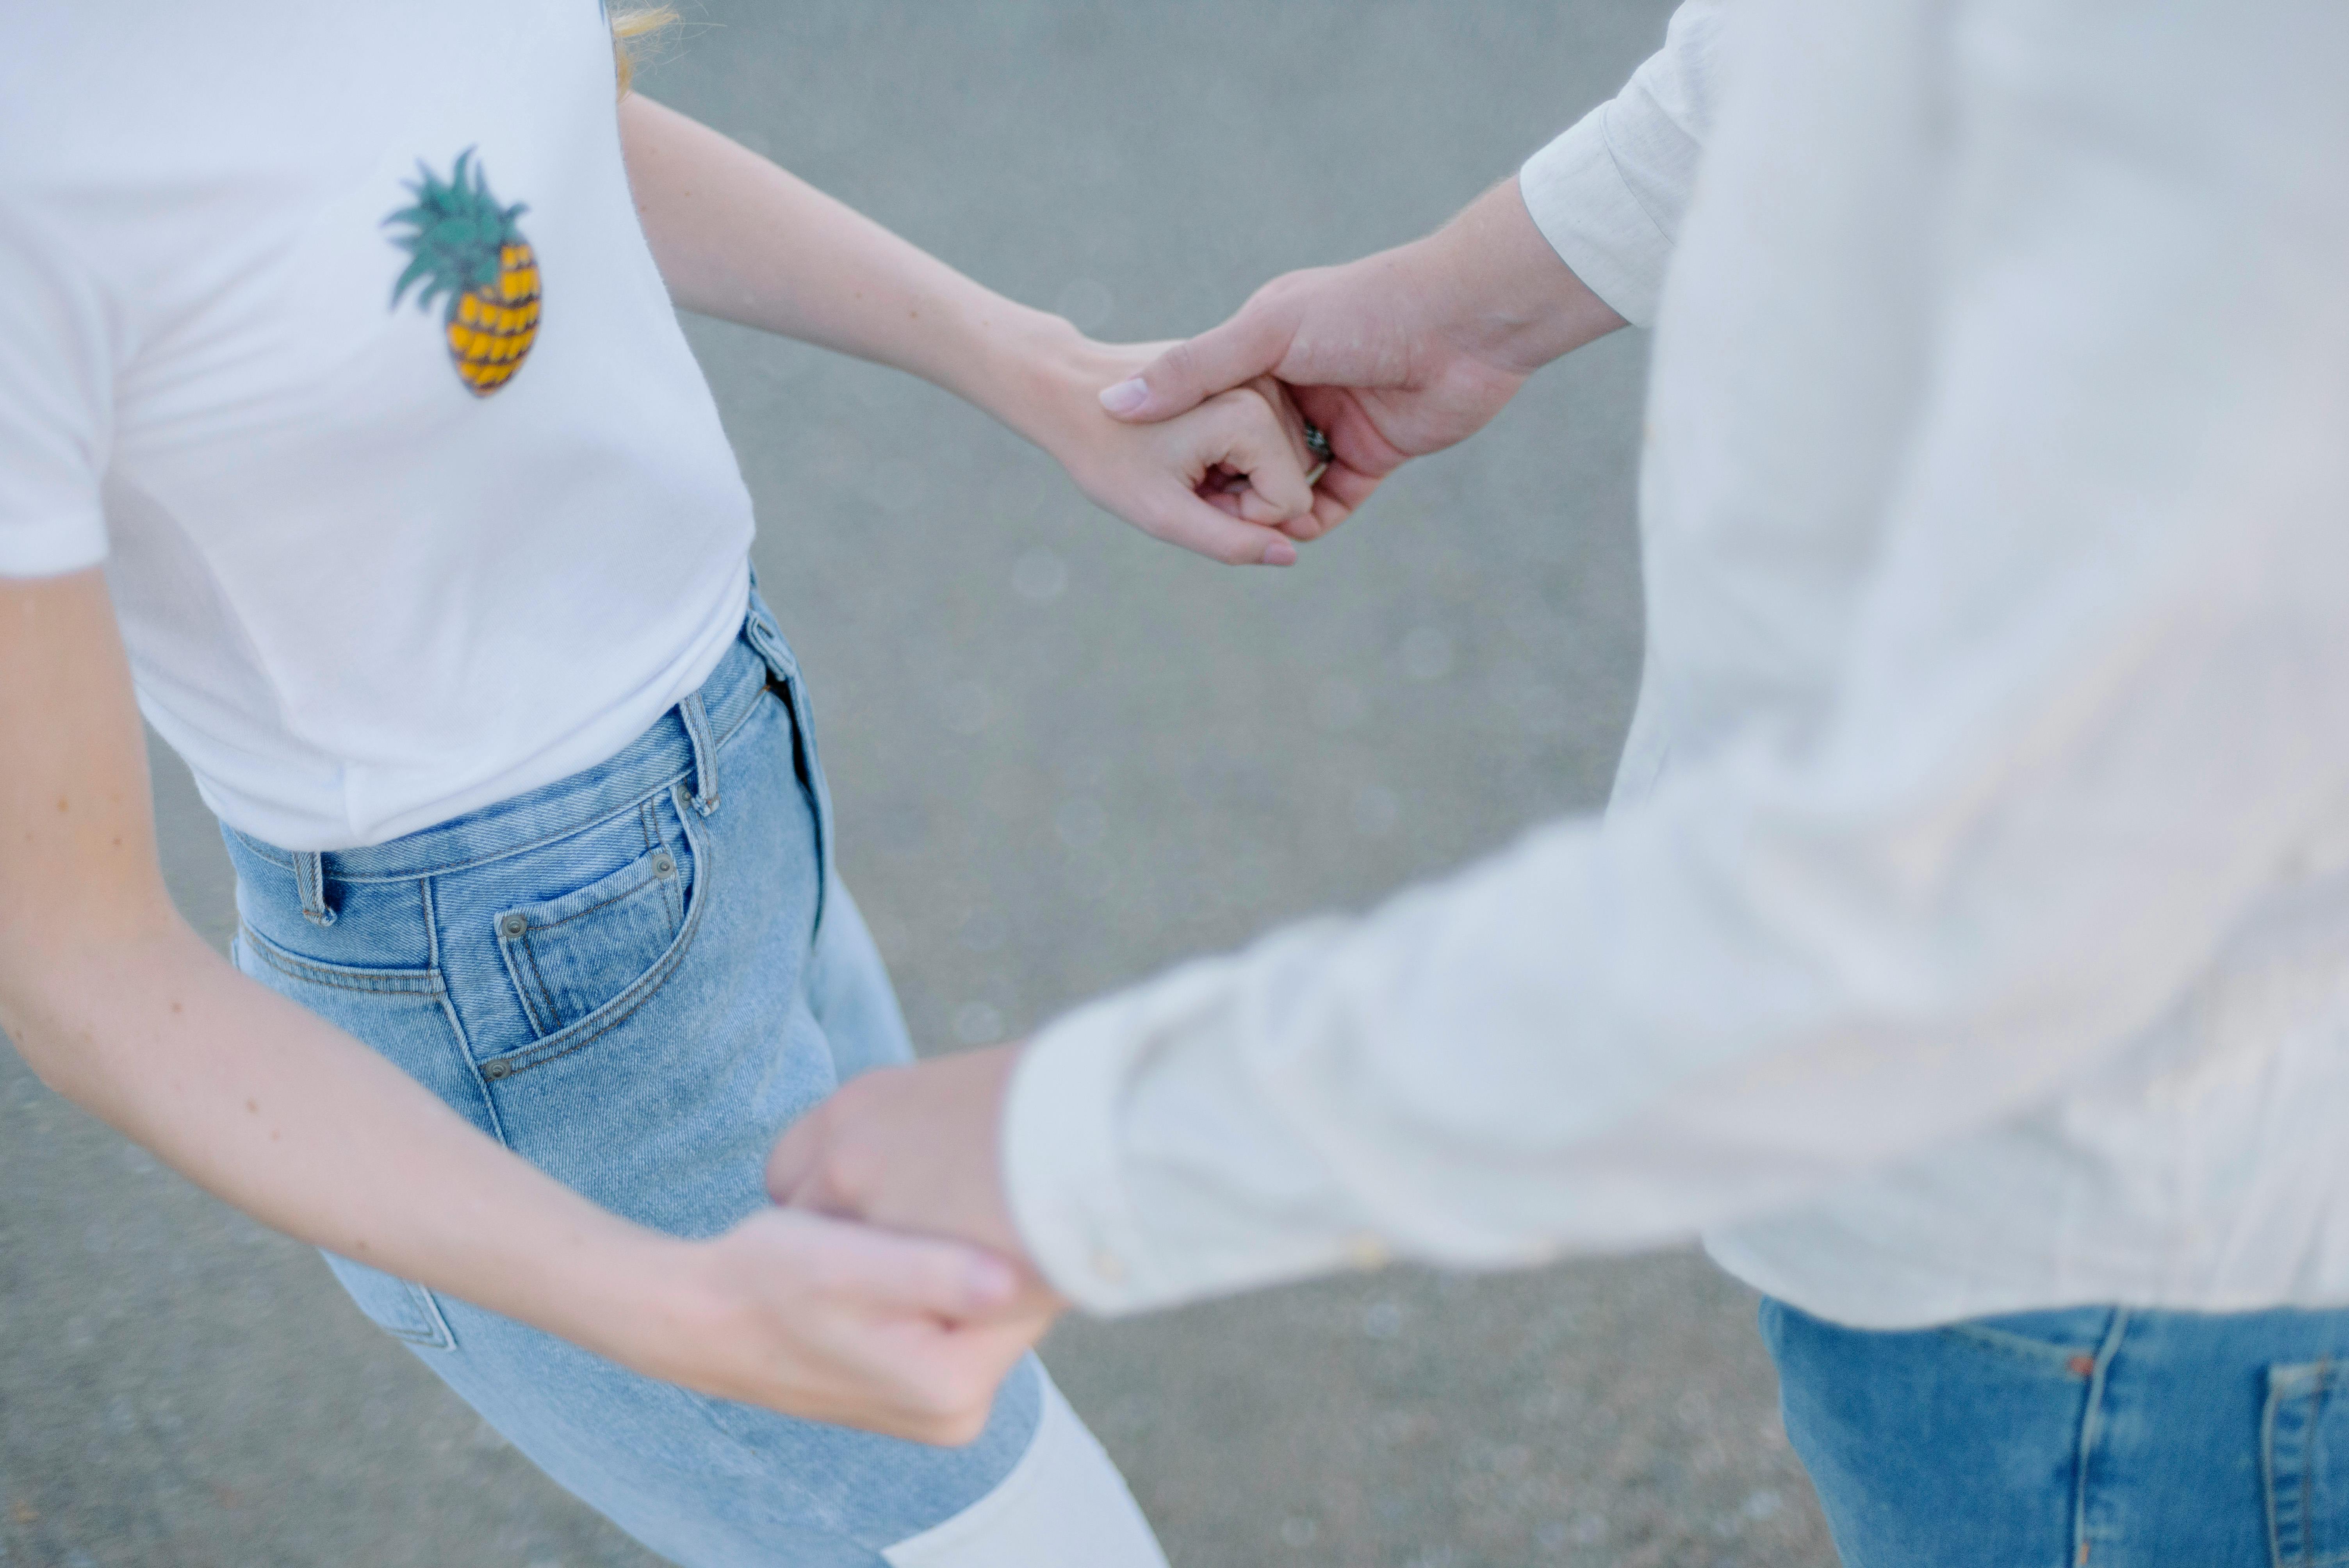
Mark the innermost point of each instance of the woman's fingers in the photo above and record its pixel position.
(951, 1376)
(838, 1322)
(879, 1271)
(1181, 517)
(1256, 434)
(1277, 490)
(1337, 494)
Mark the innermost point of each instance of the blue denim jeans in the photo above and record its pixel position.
(2102, 1435)
(636, 978)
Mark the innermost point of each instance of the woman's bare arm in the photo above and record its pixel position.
(737, 238)
(121, 1007)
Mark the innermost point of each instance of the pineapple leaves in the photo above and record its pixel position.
(465, 248)
(457, 234)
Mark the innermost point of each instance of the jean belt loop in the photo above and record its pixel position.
(310, 883)
(705, 753)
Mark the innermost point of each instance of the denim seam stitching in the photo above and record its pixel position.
(522, 968)
(2268, 1476)
(605, 904)
(672, 904)
(645, 986)
(404, 983)
(2297, 1395)
(508, 853)
(2320, 1387)
(523, 945)
(266, 853)
(457, 1025)
(2022, 1347)
(436, 1334)
(2091, 1432)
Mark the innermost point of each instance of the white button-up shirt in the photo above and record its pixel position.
(1971, 929)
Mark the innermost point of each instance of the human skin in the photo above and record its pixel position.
(117, 1005)
(1394, 356)
(739, 238)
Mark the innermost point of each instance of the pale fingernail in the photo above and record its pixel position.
(1126, 396)
(1279, 554)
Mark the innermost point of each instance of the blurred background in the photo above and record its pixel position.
(1064, 758)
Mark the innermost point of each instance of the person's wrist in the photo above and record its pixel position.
(1492, 284)
(668, 1305)
(1018, 367)
(1043, 381)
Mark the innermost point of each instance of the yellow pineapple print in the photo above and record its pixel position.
(462, 246)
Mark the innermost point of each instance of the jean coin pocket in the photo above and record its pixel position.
(570, 955)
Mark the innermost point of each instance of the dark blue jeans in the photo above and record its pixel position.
(2102, 1435)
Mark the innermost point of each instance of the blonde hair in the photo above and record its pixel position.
(631, 26)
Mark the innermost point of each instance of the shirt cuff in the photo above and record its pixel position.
(1145, 1167)
(1060, 1166)
(1581, 202)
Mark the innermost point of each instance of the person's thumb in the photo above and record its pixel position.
(1233, 355)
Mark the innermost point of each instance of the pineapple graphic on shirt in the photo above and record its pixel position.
(464, 247)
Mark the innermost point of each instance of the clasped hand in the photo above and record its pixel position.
(1392, 356)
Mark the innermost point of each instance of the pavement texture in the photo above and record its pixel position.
(1065, 756)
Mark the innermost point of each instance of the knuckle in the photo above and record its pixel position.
(850, 1174)
(1281, 291)
(1179, 364)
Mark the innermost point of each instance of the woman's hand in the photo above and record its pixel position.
(837, 1322)
(1395, 355)
(1227, 479)
(121, 1008)
(739, 239)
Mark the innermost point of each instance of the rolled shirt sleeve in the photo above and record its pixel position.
(2094, 695)
(1608, 193)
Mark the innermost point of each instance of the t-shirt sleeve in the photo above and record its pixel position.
(56, 406)
(1608, 193)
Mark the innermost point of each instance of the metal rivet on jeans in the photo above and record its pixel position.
(514, 925)
(496, 1070)
(664, 864)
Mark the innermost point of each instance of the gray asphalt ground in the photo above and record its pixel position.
(1065, 756)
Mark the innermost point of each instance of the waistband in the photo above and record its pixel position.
(662, 755)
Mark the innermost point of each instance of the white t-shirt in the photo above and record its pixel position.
(376, 564)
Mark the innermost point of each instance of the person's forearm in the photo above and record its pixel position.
(114, 1002)
(1491, 283)
(739, 238)
(293, 1121)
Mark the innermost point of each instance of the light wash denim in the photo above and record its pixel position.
(635, 978)
(2097, 1435)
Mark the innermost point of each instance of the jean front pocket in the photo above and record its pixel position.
(402, 1015)
(404, 1311)
(2304, 1444)
(582, 962)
